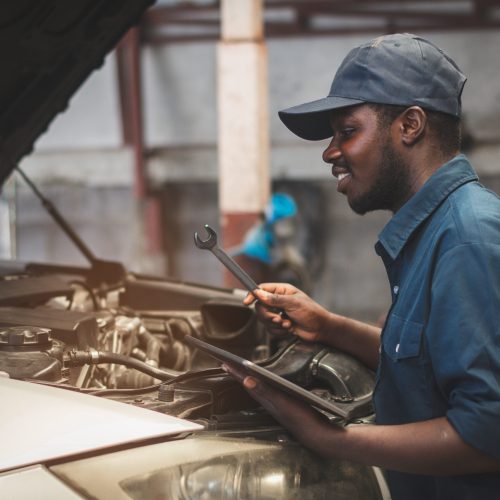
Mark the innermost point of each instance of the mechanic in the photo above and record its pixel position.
(393, 113)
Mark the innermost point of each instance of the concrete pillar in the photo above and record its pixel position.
(244, 180)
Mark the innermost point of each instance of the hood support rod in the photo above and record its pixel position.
(108, 272)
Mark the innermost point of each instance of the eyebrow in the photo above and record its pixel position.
(341, 115)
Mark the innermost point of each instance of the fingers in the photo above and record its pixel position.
(273, 322)
(248, 382)
(274, 303)
(279, 288)
(284, 323)
(272, 294)
(265, 312)
(249, 299)
(269, 298)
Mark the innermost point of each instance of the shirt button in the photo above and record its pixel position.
(397, 348)
(395, 289)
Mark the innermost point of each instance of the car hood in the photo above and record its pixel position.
(39, 423)
(47, 49)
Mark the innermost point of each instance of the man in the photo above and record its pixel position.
(393, 114)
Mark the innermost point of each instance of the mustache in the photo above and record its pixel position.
(341, 165)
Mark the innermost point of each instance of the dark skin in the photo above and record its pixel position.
(360, 150)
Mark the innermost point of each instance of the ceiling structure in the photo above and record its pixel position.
(182, 21)
(186, 21)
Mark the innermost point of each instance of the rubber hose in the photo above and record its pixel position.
(79, 358)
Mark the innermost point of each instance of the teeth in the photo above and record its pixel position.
(342, 176)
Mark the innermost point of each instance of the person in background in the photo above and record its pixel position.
(268, 251)
(393, 115)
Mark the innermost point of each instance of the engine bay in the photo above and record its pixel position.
(125, 341)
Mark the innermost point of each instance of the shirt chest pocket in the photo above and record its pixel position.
(402, 339)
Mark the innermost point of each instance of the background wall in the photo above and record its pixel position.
(80, 164)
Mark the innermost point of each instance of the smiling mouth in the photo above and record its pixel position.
(343, 177)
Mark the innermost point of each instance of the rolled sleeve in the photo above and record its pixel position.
(463, 336)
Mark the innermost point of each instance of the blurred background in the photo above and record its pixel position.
(179, 128)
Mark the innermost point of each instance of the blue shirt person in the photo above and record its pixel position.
(393, 116)
(440, 343)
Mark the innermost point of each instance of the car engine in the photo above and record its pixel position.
(125, 341)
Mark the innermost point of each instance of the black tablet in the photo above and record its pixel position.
(270, 377)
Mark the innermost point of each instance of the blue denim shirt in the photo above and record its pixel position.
(440, 352)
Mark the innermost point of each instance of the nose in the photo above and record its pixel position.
(332, 152)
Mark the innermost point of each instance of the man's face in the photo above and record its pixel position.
(369, 169)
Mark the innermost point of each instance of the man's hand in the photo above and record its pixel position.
(304, 317)
(305, 423)
(313, 323)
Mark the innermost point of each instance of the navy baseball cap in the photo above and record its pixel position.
(401, 69)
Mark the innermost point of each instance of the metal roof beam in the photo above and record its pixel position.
(165, 24)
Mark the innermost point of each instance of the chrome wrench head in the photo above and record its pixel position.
(210, 242)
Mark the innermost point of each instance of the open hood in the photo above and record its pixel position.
(47, 49)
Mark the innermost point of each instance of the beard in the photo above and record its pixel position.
(392, 187)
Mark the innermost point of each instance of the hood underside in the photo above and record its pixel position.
(47, 49)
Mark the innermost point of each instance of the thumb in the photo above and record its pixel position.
(250, 383)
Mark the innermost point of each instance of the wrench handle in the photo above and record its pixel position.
(235, 269)
(241, 275)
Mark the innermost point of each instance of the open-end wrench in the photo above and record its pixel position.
(211, 244)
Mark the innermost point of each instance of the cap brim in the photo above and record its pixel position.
(311, 121)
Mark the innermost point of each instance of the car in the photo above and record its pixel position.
(102, 396)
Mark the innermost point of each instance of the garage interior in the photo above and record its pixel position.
(134, 163)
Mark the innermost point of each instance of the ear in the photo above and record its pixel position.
(412, 123)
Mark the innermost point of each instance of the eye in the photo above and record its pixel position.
(346, 132)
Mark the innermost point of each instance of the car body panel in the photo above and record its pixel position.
(34, 482)
(40, 423)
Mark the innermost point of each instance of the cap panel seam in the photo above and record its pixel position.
(364, 81)
(427, 83)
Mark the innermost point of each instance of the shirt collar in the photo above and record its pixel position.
(436, 189)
